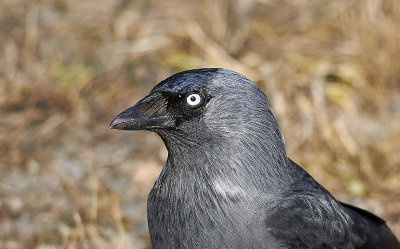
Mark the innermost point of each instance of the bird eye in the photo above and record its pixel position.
(193, 99)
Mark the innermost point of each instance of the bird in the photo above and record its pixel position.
(228, 182)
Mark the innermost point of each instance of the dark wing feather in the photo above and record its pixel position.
(377, 233)
(310, 221)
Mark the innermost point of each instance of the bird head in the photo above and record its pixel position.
(199, 106)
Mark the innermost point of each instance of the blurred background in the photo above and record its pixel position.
(330, 68)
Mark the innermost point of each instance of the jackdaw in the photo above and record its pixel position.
(228, 182)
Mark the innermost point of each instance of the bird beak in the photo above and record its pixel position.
(148, 114)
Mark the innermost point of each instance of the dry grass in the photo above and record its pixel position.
(330, 68)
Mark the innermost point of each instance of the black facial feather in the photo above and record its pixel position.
(156, 104)
(228, 182)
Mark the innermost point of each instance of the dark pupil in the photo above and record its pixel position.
(193, 98)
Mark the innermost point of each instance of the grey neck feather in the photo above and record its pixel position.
(231, 158)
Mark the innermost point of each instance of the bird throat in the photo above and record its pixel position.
(207, 184)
